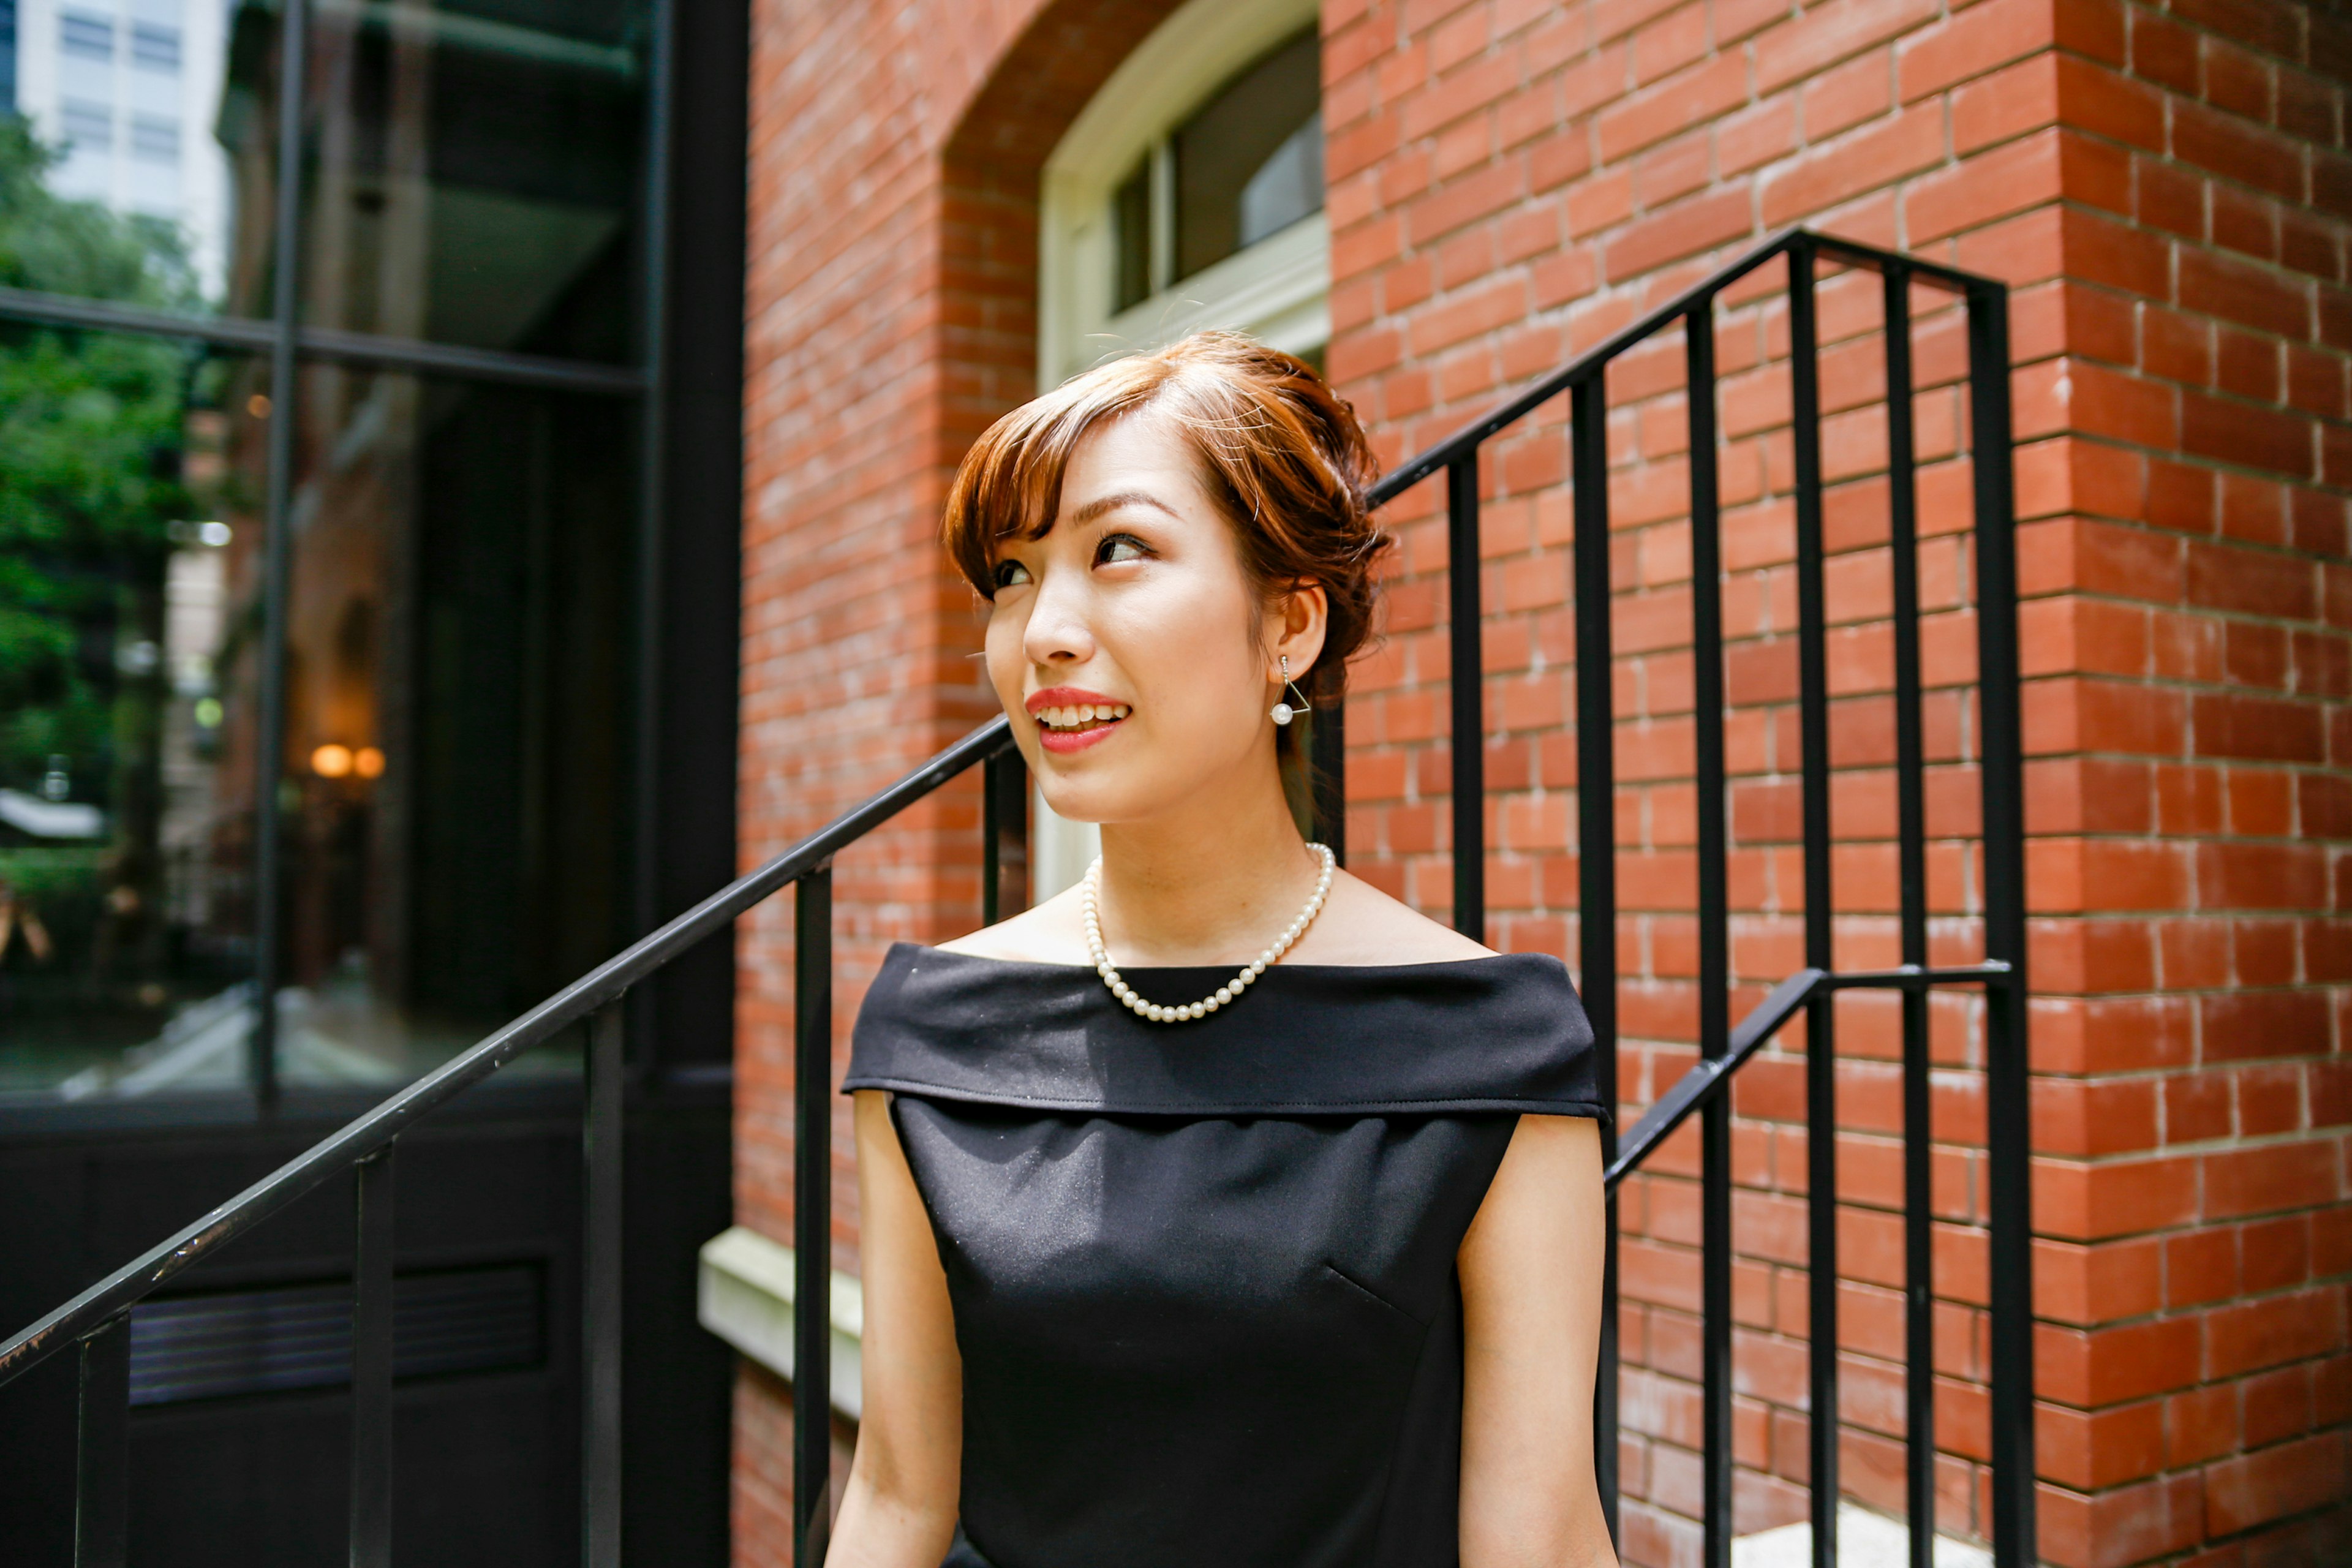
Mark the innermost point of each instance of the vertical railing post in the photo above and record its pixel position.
(600, 1340)
(1911, 865)
(372, 1348)
(2008, 1135)
(1596, 830)
(813, 1215)
(1004, 817)
(1467, 660)
(997, 781)
(1327, 736)
(1713, 931)
(1820, 1046)
(102, 1454)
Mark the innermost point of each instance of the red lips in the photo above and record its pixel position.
(1092, 733)
(1067, 697)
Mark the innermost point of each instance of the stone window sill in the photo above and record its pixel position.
(744, 1295)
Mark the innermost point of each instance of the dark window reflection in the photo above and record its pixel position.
(1250, 163)
(1245, 166)
(459, 650)
(472, 172)
(129, 551)
(1131, 216)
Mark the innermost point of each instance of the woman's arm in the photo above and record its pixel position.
(1531, 1268)
(900, 1508)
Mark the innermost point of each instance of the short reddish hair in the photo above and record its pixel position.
(1281, 453)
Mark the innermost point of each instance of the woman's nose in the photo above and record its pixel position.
(1058, 632)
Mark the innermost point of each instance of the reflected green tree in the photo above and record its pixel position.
(90, 435)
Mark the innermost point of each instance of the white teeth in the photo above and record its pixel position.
(1070, 718)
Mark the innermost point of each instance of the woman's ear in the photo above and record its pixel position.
(1301, 617)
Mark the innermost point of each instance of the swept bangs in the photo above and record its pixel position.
(1280, 454)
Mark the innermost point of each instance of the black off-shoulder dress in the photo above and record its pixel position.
(1203, 1274)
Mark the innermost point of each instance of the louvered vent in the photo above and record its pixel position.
(260, 1341)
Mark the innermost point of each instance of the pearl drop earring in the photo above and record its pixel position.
(1284, 712)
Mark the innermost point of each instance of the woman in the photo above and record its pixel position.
(1220, 1212)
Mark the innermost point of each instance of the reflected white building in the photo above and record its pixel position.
(130, 90)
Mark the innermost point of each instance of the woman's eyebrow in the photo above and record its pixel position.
(1102, 504)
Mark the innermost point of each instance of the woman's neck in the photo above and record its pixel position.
(1212, 882)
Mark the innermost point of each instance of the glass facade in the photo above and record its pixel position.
(458, 684)
(142, 108)
(472, 174)
(128, 592)
(320, 663)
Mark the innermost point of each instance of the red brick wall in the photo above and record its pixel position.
(2168, 195)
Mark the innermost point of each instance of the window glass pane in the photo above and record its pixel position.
(129, 573)
(458, 714)
(1131, 216)
(1250, 161)
(140, 171)
(472, 173)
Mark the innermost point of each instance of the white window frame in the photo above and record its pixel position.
(1278, 290)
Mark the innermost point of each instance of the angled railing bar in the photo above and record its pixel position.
(1854, 253)
(1696, 1086)
(118, 1290)
(1414, 470)
(1761, 1023)
(1422, 465)
(1910, 977)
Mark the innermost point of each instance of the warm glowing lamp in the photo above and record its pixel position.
(331, 760)
(368, 763)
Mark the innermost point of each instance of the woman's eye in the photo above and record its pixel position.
(1119, 547)
(1011, 574)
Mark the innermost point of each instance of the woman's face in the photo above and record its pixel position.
(1124, 643)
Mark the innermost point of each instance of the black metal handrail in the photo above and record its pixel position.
(97, 1319)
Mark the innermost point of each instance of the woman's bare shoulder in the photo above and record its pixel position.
(1049, 933)
(1363, 925)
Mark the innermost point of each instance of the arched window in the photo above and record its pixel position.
(1188, 193)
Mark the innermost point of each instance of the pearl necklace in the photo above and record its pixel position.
(1225, 993)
